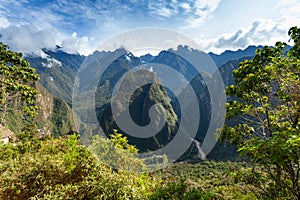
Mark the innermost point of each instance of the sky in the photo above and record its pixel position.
(79, 26)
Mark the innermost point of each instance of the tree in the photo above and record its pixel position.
(116, 152)
(17, 78)
(265, 105)
(61, 168)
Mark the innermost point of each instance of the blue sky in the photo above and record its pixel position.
(80, 25)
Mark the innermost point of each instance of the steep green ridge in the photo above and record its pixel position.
(112, 74)
(101, 71)
(140, 102)
(57, 71)
(55, 76)
(55, 116)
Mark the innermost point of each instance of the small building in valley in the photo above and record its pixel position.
(5, 135)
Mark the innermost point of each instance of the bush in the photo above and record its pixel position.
(64, 169)
(181, 191)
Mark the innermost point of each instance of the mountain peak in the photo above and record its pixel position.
(227, 55)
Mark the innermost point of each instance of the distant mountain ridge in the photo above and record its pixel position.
(58, 71)
(232, 55)
(228, 55)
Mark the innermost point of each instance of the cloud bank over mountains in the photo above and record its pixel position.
(260, 32)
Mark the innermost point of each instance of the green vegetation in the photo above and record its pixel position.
(55, 117)
(60, 168)
(181, 191)
(116, 152)
(58, 80)
(61, 118)
(140, 102)
(263, 115)
(24, 102)
(17, 94)
(266, 103)
(214, 180)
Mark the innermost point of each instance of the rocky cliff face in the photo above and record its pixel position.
(55, 116)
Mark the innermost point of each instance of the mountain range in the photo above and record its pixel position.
(58, 72)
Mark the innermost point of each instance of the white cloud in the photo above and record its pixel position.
(260, 32)
(186, 7)
(206, 6)
(192, 13)
(165, 12)
(75, 44)
(33, 27)
(162, 8)
(196, 12)
(203, 10)
(288, 7)
(4, 23)
(51, 62)
(28, 39)
(13, 2)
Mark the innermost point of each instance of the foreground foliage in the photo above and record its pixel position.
(266, 104)
(48, 168)
(63, 169)
(17, 93)
(205, 180)
(116, 152)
